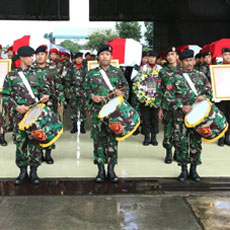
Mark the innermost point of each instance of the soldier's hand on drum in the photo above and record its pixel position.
(97, 98)
(22, 109)
(44, 99)
(160, 114)
(118, 92)
(200, 98)
(187, 108)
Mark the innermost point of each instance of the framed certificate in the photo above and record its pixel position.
(5, 67)
(220, 77)
(95, 64)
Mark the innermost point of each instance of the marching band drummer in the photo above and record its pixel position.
(21, 88)
(181, 95)
(96, 88)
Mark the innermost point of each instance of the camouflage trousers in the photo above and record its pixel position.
(24, 144)
(77, 106)
(3, 117)
(188, 144)
(168, 129)
(105, 144)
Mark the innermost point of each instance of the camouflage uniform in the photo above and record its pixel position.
(206, 70)
(14, 94)
(165, 78)
(3, 117)
(105, 144)
(179, 94)
(74, 87)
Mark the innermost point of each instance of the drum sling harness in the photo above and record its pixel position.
(190, 83)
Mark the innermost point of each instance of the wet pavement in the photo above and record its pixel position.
(160, 212)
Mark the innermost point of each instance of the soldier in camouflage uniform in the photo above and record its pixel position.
(105, 144)
(18, 99)
(181, 98)
(197, 65)
(74, 86)
(207, 62)
(54, 84)
(224, 106)
(165, 78)
(3, 122)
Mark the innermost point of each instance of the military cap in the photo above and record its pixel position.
(25, 51)
(152, 53)
(171, 49)
(198, 55)
(78, 54)
(225, 50)
(41, 49)
(206, 53)
(88, 53)
(145, 54)
(54, 50)
(105, 47)
(10, 48)
(0, 46)
(186, 54)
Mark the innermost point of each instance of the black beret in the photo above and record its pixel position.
(41, 49)
(171, 49)
(152, 53)
(78, 54)
(25, 51)
(206, 53)
(87, 54)
(198, 56)
(145, 54)
(105, 48)
(225, 50)
(186, 54)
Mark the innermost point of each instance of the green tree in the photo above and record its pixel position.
(72, 46)
(129, 30)
(100, 37)
(149, 26)
(49, 36)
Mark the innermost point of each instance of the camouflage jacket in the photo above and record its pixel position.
(206, 70)
(95, 85)
(165, 78)
(179, 92)
(74, 82)
(53, 81)
(15, 93)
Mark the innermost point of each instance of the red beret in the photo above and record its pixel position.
(10, 48)
(0, 46)
(54, 50)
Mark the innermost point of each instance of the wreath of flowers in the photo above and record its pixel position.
(143, 93)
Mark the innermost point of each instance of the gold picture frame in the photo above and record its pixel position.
(5, 68)
(220, 78)
(94, 64)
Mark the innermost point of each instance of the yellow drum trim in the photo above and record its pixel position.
(51, 142)
(21, 123)
(218, 137)
(129, 134)
(198, 122)
(121, 101)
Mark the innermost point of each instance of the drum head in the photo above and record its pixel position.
(110, 106)
(32, 114)
(199, 110)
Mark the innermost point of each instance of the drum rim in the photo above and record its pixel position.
(128, 134)
(198, 122)
(21, 123)
(53, 140)
(218, 137)
(121, 101)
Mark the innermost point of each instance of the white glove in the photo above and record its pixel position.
(216, 100)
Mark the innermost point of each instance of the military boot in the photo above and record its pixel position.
(147, 140)
(153, 139)
(33, 175)
(136, 132)
(74, 129)
(23, 176)
(221, 142)
(226, 139)
(111, 174)
(101, 173)
(193, 173)
(49, 160)
(2, 140)
(82, 129)
(184, 173)
(168, 157)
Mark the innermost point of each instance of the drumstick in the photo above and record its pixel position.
(111, 94)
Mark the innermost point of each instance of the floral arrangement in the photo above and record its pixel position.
(145, 94)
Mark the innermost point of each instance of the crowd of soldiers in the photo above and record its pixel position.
(58, 82)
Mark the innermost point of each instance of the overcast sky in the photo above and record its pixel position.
(12, 30)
